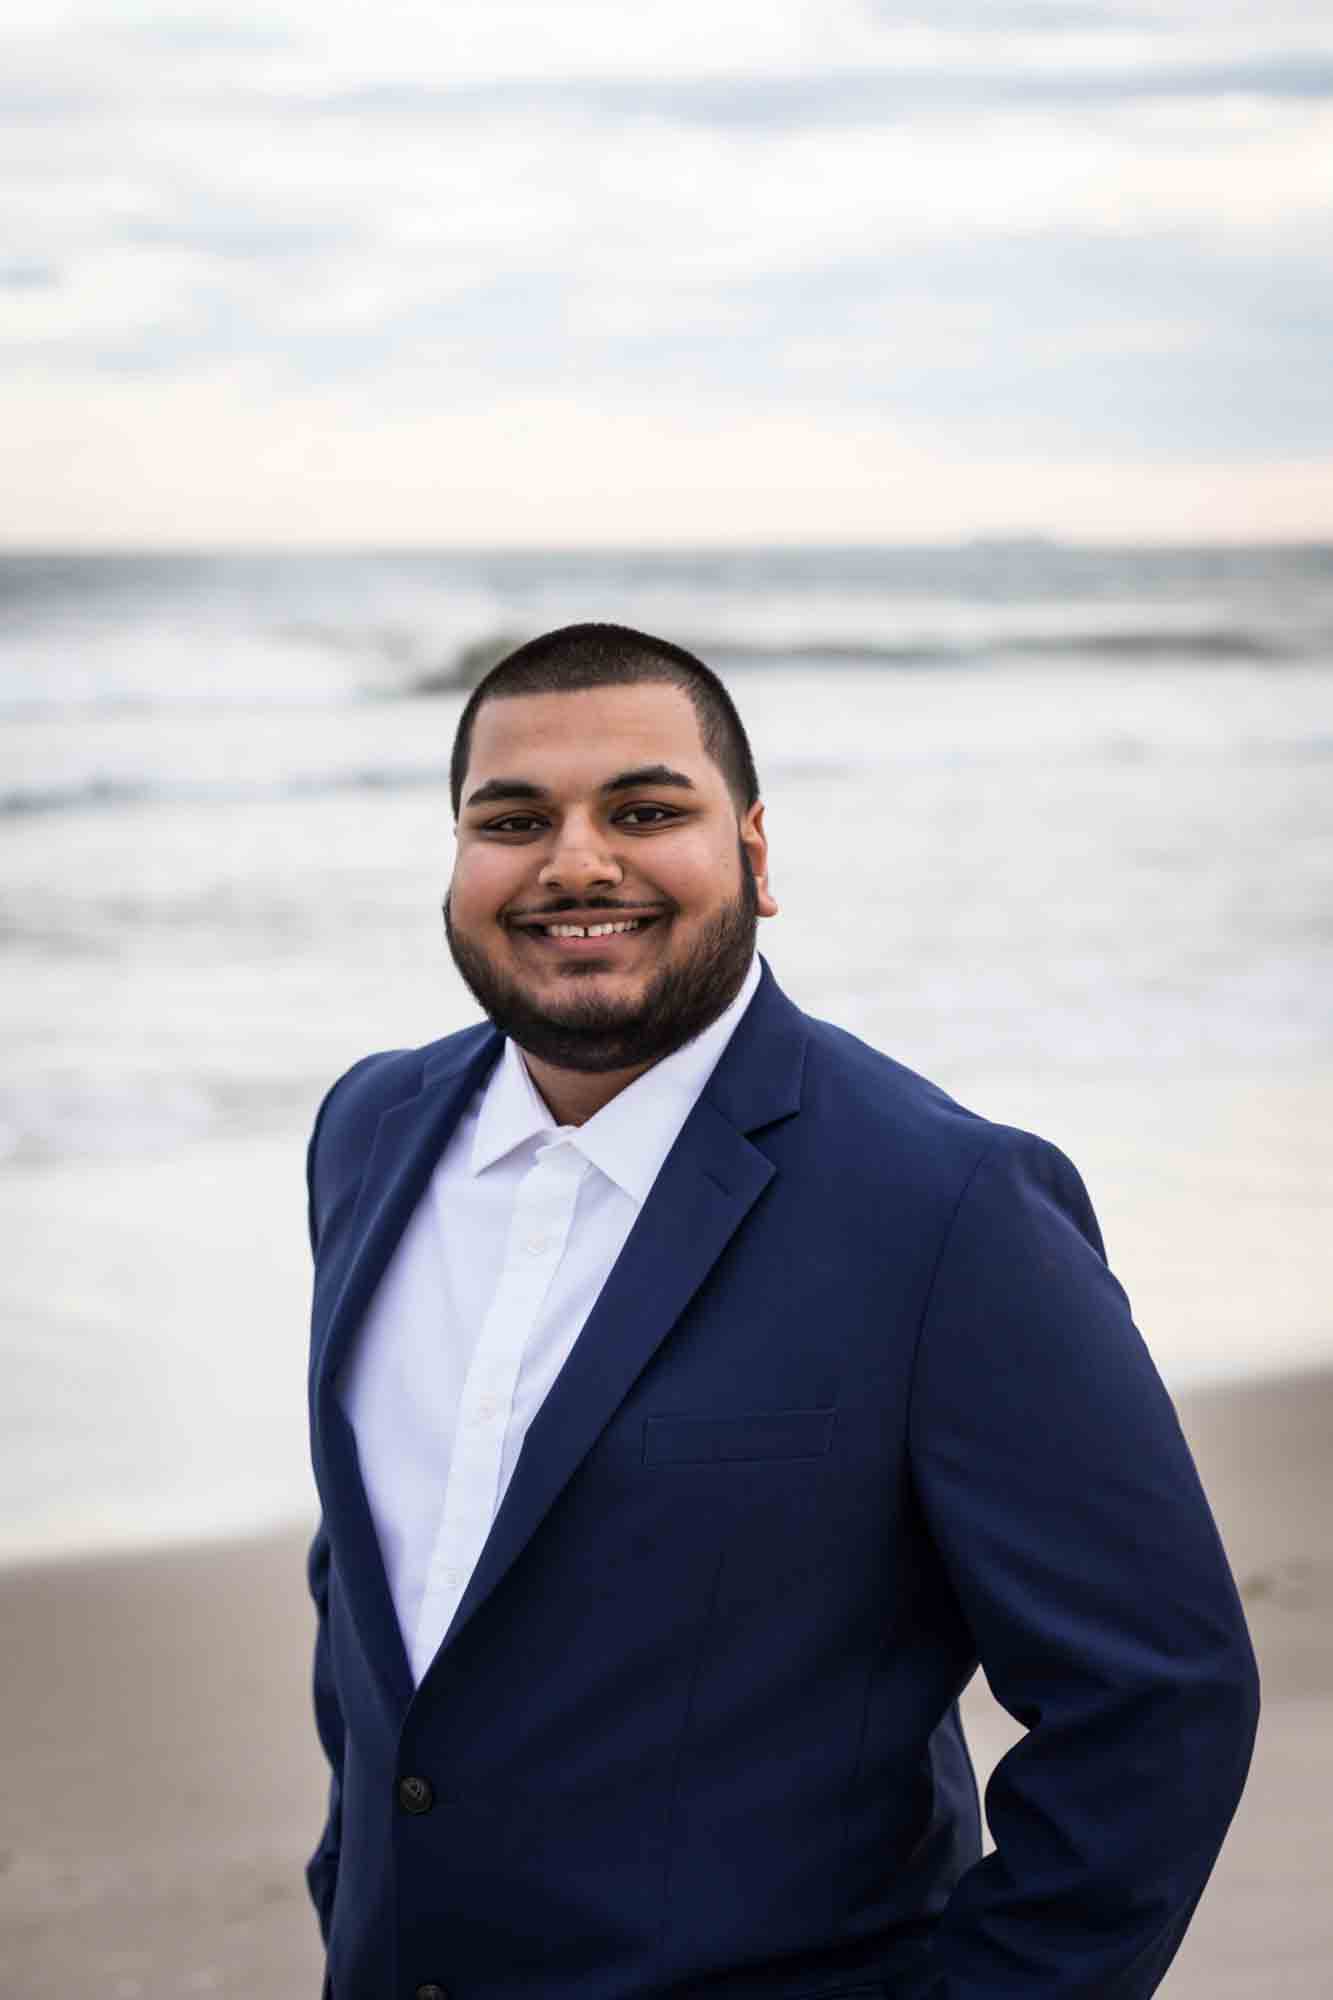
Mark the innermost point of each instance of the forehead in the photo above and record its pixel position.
(563, 741)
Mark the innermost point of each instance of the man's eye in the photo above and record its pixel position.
(513, 823)
(645, 815)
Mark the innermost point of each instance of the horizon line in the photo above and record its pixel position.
(1107, 544)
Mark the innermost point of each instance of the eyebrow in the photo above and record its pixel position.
(496, 789)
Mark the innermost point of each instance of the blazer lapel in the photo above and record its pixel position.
(408, 1141)
(709, 1182)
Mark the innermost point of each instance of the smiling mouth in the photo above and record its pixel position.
(589, 930)
(564, 930)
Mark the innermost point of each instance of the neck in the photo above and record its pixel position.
(572, 1096)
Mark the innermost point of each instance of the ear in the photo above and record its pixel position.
(755, 842)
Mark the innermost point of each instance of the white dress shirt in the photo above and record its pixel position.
(485, 1295)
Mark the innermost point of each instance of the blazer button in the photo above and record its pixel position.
(417, 1795)
(431, 1993)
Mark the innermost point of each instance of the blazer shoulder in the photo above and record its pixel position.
(351, 1109)
(867, 1084)
(889, 1111)
(377, 1082)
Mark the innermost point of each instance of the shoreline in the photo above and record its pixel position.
(1203, 1407)
(164, 1783)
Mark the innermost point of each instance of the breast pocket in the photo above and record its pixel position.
(772, 1434)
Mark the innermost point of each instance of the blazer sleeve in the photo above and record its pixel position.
(1062, 1497)
(322, 1868)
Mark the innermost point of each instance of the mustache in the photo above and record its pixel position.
(564, 905)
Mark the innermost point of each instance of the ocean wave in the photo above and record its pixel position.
(99, 794)
(1209, 644)
(92, 794)
(62, 1117)
(69, 1114)
(1219, 643)
(20, 800)
(458, 671)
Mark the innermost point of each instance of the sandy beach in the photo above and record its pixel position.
(162, 1784)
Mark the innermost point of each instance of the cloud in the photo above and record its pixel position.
(1160, 21)
(834, 100)
(1061, 343)
(1076, 232)
(238, 233)
(1007, 17)
(30, 276)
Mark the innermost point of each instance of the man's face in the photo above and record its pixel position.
(594, 808)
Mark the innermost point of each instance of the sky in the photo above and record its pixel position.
(586, 271)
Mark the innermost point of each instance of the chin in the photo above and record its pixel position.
(608, 985)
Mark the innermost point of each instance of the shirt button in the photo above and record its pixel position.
(536, 1244)
(486, 1409)
(416, 1795)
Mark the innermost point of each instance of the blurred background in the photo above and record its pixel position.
(954, 379)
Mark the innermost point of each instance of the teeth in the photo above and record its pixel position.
(590, 930)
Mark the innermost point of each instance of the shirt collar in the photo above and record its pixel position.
(629, 1138)
(511, 1112)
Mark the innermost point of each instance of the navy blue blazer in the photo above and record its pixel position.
(859, 1407)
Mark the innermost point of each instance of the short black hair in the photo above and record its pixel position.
(590, 656)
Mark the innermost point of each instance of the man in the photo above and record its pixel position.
(697, 1397)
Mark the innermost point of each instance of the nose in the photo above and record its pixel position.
(581, 860)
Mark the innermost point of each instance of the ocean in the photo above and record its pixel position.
(1052, 825)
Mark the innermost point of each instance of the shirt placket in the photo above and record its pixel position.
(534, 1245)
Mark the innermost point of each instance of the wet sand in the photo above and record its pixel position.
(162, 1785)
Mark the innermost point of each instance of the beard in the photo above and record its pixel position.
(596, 1035)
